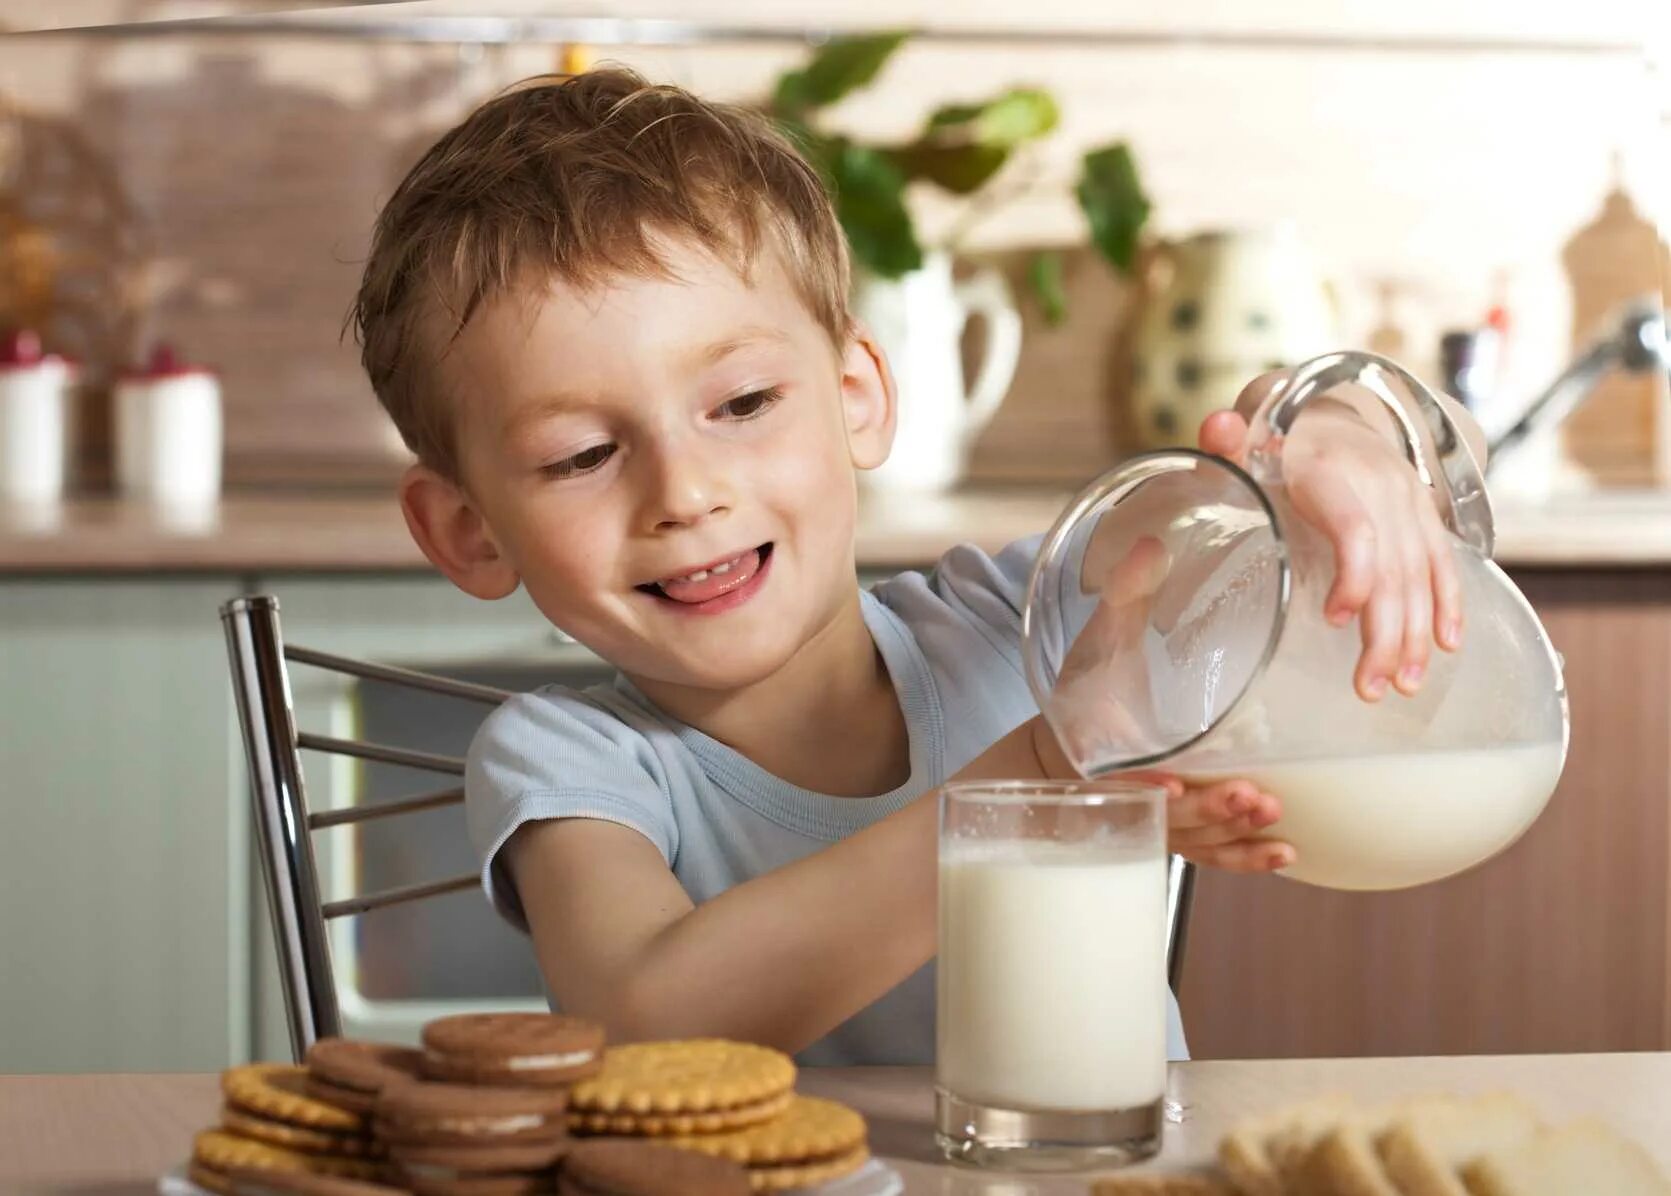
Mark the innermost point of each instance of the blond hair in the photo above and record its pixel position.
(573, 179)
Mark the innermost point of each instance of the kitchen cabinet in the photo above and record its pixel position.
(1560, 944)
(133, 927)
(122, 925)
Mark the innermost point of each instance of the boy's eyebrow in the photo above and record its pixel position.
(747, 335)
(560, 401)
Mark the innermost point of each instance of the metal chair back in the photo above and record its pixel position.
(273, 747)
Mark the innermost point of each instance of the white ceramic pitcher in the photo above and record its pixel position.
(918, 320)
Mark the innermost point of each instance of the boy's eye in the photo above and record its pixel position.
(584, 461)
(750, 405)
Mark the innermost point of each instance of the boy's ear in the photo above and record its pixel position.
(452, 534)
(868, 398)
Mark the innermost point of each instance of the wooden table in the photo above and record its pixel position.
(112, 1135)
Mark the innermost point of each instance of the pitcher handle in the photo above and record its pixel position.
(1459, 481)
(987, 294)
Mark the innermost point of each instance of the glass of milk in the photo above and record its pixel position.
(1051, 1047)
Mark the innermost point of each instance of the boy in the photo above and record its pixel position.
(611, 321)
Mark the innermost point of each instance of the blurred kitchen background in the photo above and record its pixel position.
(1478, 188)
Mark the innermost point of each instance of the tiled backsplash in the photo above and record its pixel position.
(255, 167)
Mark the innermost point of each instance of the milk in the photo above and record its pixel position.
(1400, 819)
(1052, 975)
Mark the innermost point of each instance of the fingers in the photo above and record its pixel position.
(1418, 611)
(1257, 393)
(1224, 434)
(1248, 855)
(1447, 584)
(1200, 815)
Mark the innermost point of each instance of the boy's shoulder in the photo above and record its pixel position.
(555, 722)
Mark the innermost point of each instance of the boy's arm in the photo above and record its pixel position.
(782, 959)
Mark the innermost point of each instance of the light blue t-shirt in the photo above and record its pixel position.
(951, 641)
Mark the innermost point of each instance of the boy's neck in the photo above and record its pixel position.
(829, 720)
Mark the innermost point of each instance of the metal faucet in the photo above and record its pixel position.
(1638, 342)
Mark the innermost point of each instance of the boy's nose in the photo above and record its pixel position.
(688, 490)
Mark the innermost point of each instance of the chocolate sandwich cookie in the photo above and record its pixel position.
(512, 1048)
(630, 1167)
(458, 1140)
(350, 1073)
(244, 1182)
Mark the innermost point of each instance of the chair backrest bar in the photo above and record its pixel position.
(256, 647)
(398, 676)
(1180, 895)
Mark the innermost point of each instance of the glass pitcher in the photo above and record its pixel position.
(1200, 594)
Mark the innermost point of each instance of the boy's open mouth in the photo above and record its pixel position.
(712, 581)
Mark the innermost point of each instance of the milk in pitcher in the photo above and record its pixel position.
(1394, 820)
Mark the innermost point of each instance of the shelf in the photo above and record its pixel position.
(361, 24)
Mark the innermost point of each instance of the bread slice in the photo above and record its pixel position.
(1576, 1160)
(1424, 1149)
(1256, 1152)
(1343, 1162)
(1151, 1183)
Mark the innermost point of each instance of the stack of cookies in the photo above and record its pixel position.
(728, 1100)
(488, 1107)
(270, 1121)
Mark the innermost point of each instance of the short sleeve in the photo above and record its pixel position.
(556, 753)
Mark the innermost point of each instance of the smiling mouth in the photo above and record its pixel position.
(711, 582)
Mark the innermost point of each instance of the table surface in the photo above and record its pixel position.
(112, 1135)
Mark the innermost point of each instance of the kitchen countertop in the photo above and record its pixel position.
(365, 533)
(113, 1134)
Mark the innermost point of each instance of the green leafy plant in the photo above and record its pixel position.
(961, 149)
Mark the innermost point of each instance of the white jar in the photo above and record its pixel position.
(168, 433)
(34, 421)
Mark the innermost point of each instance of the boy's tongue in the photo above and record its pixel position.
(712, 586)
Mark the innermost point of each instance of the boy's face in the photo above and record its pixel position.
(667, 465)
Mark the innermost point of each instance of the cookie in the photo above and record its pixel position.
(244, 1182)
(349, 1099)
(278, 1092)
(417, 1159)
(667, 1124)
(621, 1167)
(785, 1176)
(440, 1182)
(363, 1069)
(295, 1137)
(810, 1130)
(436, 1114)
(220, 1153)
(512, 1048)
(701, 1075)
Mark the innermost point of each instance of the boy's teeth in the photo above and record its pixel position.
(704, 574)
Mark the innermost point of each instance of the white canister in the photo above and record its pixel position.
(34, 421)
(168, 432)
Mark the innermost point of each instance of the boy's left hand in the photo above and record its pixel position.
(1222, 825)
(1394, 569)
